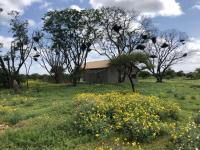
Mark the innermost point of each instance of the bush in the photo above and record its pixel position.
(190, 75)
(186, 137)
(144, 74)
(180, 74)
(169, 74)
(132, 116)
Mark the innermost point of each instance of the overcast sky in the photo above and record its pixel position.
(182, 15)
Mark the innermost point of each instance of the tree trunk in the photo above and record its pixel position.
(10, 82)
(121, 76)
(27, 84)
(159, 79)
(16, 86)
(74, 79)
(59, 77)
(132, 83)
(74, 82)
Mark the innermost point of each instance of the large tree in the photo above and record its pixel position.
(122, 33)
(12, 60)
(49, 55)
(75, 32)
(166, 49)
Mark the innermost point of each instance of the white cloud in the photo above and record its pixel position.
(147, 7)
(16, 5)
(191, 62)
(6, 41)
(31, 23)
(75, 7)
(94, 56)
(196, 6)
(46, 5)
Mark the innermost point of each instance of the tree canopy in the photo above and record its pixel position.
(73, 33)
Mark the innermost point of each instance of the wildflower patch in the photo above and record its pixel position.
(129, 115)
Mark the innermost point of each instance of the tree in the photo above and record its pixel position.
(131, 64)
(197, 73)
(75, 32)
(165, 49)
(27, 66)
(2, 80)
(122, 33)
(50, 56)
(180, 73)
(144, 74)
(190, 75)
(13, 59)
(169, 73)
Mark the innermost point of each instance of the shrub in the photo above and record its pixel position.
(144, 74)
(197, 118)
(169, 74)
(186, 137)
(132, 116)
(180, 74)
(193, 97)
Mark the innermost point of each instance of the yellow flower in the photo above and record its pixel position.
(97, 135)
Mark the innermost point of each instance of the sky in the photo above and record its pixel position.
(182, 15)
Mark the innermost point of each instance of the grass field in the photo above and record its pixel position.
(39, 118)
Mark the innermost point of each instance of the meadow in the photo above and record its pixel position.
(40, 117)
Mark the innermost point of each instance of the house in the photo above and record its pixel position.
(100, 72)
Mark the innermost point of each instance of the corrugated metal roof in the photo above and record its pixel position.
(97, 64)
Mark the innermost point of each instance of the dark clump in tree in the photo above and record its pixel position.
(131, 64)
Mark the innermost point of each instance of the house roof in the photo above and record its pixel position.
(97, 64)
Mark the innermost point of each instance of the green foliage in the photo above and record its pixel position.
(144, 74)
(186, 137)
(12, 60)
(194, 75)
(74, 35)
(132, 116)
(131, 65)
(169, 74)
(197, 73)
(190, 75)
(180, 74)
(132, 59)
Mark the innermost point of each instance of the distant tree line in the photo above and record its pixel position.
(170, 74)
(127, 39)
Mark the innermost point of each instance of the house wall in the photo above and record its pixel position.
(112, 75)
(105, 75)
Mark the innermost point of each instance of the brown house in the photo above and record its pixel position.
(100, 72)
